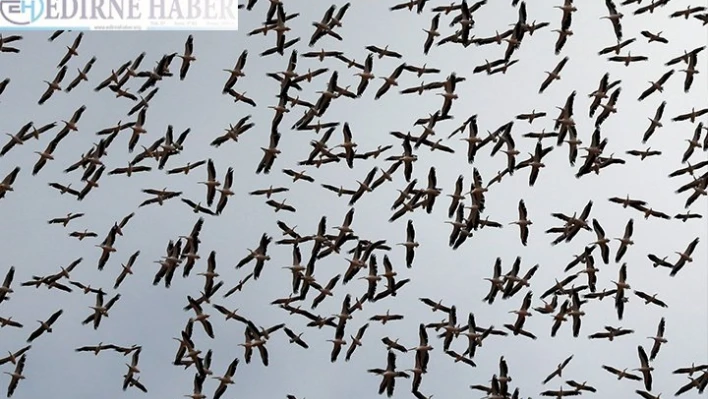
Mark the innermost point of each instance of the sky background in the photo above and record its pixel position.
(150, 315)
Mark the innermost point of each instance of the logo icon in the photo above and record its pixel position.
(21, 12)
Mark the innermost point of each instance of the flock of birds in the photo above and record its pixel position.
(376, 261)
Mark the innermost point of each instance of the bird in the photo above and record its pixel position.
(617, 48)
(684, 217)
(83, 234)
(268, 192)
(364, 186)
(656, 86)
(45, 326)
(658, 339)
(691, 116)
(280, 206)
(654, 37)
(366, 75)
(553, 75)
(16, 375)
(643, 154)
(581, 386)
(338, 190)
(687, 12)
(236, 72)
(432, 33)
(559, 370)
(411, 244)
(622, 373)
(197, 207)
(5, 288)
(295, 338)
(383, 52)
(14, 357)
(187, 57)
(389, 374)
(435, 306)
(356, 341)
(8, 180)
(100, 310)
(684, 257)
(126, 269)
(423, 349)
(259, 255)
(650, 299)
(53, 85)
(71, 51)
(693, 143)
(691, 370)
(298, 175)
(628, 59)
(615, 17)
(625, 241)
(384, 318)
(530, 117)
(655, 122)
(645, 368)
(523, 222)
(560, 393)
(226, 379)
(389, 81)
(608, 108)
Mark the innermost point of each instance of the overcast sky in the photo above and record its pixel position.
(151, 316)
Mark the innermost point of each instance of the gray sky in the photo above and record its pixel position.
(151, 315)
